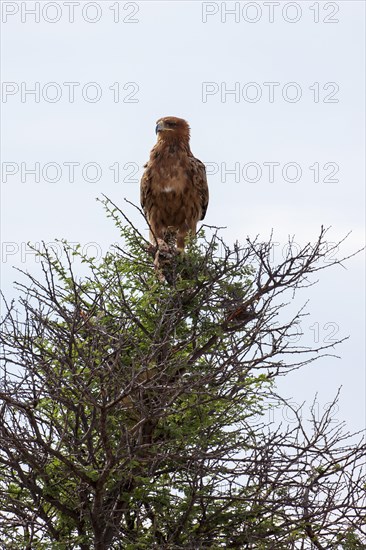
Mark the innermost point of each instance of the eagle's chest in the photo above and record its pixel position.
(170, 178)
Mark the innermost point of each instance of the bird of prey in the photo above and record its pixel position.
(174, 190)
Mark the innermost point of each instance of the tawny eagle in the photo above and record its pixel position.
(174, 190)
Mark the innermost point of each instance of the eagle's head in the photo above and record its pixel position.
(172, 127)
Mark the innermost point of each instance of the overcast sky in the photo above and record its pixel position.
(274, 94)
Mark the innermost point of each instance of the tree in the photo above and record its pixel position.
(134, 411)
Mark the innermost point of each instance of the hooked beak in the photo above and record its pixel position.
(159, 127)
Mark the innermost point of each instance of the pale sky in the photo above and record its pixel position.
(274, 94)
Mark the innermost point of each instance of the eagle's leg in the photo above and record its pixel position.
(155, 237)
(160, 259)
(170, 237)
(163, 253)
(189, 230)
(181, 241)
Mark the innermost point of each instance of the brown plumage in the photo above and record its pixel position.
(174, 190)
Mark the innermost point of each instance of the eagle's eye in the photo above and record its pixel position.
(170, 124)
